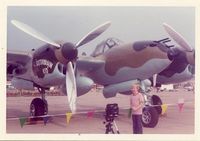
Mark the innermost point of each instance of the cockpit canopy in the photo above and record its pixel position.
(106, 45)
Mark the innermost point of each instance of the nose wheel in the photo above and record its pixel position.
(39, 106)
(149, 117)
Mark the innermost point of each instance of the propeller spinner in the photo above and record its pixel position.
(65, 54)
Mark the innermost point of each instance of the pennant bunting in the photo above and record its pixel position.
(129, 112)
(22, 121)
(180, 104)
(31, 120)
(68, 116)
(90, 114)
(164, 108)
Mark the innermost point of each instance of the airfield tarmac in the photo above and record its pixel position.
(173, 122)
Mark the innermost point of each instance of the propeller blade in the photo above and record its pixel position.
(71, 87)
(29, 30)
(93, 34)
(154, 80)
(177, 37)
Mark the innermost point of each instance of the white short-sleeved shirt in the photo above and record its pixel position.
(135, 101)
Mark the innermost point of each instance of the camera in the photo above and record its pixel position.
(111, 111)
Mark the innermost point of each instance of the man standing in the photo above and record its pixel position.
(137, 103)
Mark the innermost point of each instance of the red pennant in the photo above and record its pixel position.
(180, 105)
(90, 114)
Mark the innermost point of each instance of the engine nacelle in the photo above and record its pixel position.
(84, 85)
(22, 84)
(123, 88)
(15, 69)
(183, 76)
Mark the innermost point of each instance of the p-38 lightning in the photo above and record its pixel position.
(113, 64)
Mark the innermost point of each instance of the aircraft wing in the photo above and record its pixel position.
(88, 64)
(16, 63)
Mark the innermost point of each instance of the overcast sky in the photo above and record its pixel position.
(70, 24)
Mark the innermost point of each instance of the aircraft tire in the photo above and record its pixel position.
(157, 101)
(150, 117)
(38, 107)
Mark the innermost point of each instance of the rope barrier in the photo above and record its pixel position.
(85, 112)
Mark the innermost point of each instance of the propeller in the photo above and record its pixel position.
(71, 87)
(184, 45)
(29, 30)
(177, 37)
(65, 54)
(154, 79)
(93, 34)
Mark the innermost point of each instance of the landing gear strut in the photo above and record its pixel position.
(38, 106)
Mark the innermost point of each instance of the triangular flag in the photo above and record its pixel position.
(46, 119)
(31, 120)
(164, 108)
(68, 116)
(129, 112)
(90, 114)
(22, 121)
(180, 104)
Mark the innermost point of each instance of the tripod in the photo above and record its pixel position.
(111, 112)
(109, 128)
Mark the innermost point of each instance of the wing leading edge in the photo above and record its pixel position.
(88, 64)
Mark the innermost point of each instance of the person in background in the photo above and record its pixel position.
(137, 103)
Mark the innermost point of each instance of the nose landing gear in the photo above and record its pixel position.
(39, 106)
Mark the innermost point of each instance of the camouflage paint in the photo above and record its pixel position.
(127, 56)
(126, 73)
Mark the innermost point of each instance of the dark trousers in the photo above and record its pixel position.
(137, 124)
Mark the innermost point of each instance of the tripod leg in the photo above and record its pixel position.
(112, 131)
(107, 131)
(116, 127)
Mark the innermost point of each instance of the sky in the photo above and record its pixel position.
(71, 23)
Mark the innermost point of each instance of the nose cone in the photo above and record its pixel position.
(69, 51)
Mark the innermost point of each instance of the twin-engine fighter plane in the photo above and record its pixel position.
(113, 64)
